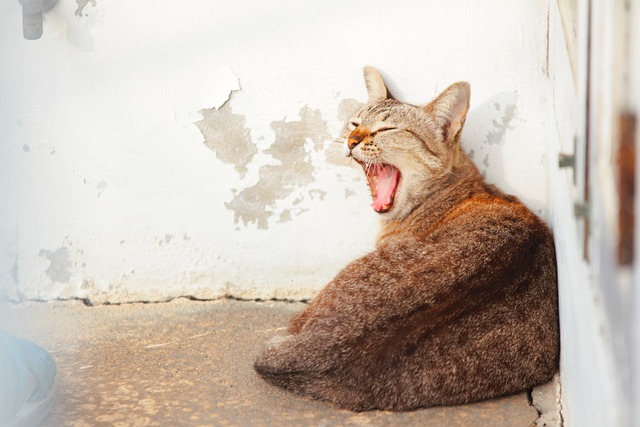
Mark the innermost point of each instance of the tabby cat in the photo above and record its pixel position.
(457, 303)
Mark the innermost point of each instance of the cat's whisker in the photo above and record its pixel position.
(334, 149)
(336, 131)
(331, 128)
(368, 169)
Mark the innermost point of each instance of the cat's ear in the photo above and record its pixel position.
(375, 85)
(450, 108)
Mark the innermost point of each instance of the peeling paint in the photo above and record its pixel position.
(256, 204)
(495, 136)
(82, 4)
(59, 270)
(285, 216)
(165, 174)
(225, 133)
(321, 194)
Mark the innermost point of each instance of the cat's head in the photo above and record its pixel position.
(406, 151)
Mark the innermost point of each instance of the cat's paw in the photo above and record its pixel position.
(299, 363)
(274, 360)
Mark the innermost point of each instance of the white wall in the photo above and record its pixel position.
(110, 193)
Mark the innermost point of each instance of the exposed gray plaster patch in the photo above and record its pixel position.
(496, 135)
(82, 4)
(256, 204)
(58, 271)
(285, 216)
(226, 135)
(349, 193)
(486, 160)
(26, 148)
(472, 153)
(320, 193)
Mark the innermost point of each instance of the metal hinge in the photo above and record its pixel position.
(569, 160)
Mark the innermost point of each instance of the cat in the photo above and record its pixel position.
(458, 301)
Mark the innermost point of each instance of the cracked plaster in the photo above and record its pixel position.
(130, 167)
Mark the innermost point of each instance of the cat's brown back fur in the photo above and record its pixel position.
(457, 303)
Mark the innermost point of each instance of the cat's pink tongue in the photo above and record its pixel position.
(386, 182)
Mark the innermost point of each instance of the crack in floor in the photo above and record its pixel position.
(88, 303)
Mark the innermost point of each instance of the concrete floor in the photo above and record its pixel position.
(189, 363)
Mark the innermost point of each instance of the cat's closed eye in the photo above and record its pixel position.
(383, 129)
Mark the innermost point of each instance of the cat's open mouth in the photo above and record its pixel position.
(383, 180)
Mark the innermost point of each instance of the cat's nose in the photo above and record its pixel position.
(353, 140)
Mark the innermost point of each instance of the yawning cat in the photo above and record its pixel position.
(458, 301)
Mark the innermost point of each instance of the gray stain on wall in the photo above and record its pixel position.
(59, 270)
(495, 136)
(166, 239)
(226, 135)
(290, 176)
(257, 203)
